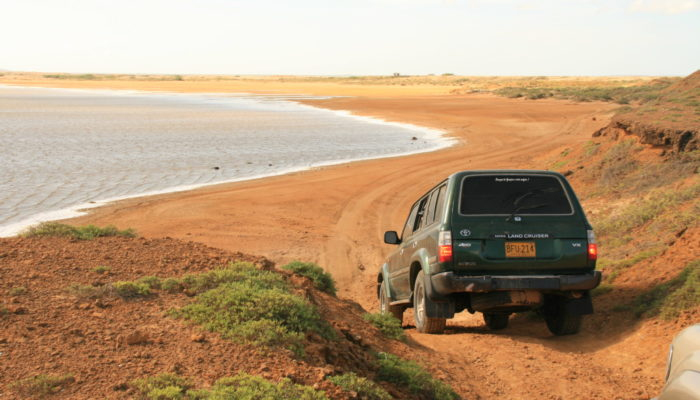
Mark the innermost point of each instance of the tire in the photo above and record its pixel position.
(496, 321)
(424, 323)
(560, 322)
(385, 307)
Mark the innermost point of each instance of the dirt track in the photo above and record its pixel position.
(336, 216)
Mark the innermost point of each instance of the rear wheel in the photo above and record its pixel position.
(559, 321)
(496, 321)
(386, 307)
(424, 323)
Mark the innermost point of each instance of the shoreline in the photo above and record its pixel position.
(441, 139)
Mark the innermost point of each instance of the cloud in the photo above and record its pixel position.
(664, 6)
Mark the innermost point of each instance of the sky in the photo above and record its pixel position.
(352, 37)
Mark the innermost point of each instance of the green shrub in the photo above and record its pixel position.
(249, 387)
(387, 324)
(81, 233)
(248, 312)
(3, 311)
(245, 303)
(41, 386)
(153, 282)
(163, 386)
(241, 386)
(18, 291)
(322, 280)
(365, 388)
(171, 285)
(412, 376)
(102, 269)
(235, 272)
(130, 290)
(88, 292)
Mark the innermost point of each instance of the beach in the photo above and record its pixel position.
(336, 215)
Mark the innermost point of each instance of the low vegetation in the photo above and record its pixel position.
(88, 232)
(322, 280)
(41, 386)
(387, 324)
(250, 305)
(241, 386)
(669, 299)
(617, 94)
(17, 291)
(124, 289)
(102, 269)
(363, 387)
(412, 376)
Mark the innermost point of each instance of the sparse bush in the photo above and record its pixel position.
(670, 298)
(102, 269)
(163, 386)
(244, 386)
(88, 292)
(131, 290)
(322, 280)
(153, 282)
(240, 310)
(645, 210)
(245, 303)
(81, 233)
(365, 388)
(3, 311)
(236, 272)
(171, 285)
(18, 291)
(412, 376)
(241, 386)
(387, 324)
(42, 385)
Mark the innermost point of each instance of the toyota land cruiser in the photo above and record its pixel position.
(495, 242)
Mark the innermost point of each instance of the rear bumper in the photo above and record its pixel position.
(448, 282)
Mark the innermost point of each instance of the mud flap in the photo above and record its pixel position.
(582, 306)
(437, 307)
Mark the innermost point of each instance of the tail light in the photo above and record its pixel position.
(445, 246)
(592, 246)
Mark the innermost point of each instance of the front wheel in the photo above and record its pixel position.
(424, 323)
(386, 307)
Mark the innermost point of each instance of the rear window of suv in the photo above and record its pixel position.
(513, 194)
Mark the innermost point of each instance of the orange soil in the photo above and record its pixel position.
(336, 216)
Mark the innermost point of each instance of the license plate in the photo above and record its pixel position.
(520, 249)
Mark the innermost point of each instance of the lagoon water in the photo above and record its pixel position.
(65, 150)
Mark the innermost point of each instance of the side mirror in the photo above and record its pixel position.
(391, 237)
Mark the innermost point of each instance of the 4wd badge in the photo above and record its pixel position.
(465, 232)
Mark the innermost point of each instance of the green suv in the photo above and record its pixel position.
(495, 242)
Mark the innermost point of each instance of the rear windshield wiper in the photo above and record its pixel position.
(522, 208)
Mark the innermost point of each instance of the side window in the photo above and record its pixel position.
(430, 213)
(408, 228)
(421, 213)
(440, 202)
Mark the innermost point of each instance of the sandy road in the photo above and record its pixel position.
(336, 216)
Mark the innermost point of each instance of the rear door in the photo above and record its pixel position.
(519, 223)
